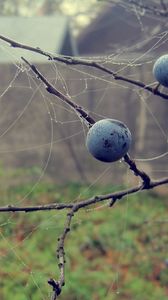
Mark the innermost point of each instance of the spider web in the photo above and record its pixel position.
(56, 135)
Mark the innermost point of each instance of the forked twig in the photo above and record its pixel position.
(73, 208)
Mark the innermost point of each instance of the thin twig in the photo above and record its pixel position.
(133, 167)
(80, 111)
(28, 209)
(57, 285)
(85, 203)
(68, 60)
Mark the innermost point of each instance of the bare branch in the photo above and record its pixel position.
(145, 178)
(85, 203)
(68, 60)
(26, 209)
(146, 185)
(61, 252)
(52, 90)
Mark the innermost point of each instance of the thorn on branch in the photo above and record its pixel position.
(156, 88)
(56, 287)
(114, 199)
(112, 202)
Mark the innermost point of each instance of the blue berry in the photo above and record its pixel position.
(160, 70)
(108, 140)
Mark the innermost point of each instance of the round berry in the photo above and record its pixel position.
(160, 70)
(108, 140)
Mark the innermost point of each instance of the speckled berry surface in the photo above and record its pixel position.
(160, 70)
(108, 140)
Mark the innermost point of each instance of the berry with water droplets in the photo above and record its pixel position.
(108, 140)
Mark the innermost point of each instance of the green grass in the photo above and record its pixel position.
(111, 254)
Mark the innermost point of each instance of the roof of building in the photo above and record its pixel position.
(45, 32)
(115, 29)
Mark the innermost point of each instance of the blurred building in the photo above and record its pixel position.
(27, 133)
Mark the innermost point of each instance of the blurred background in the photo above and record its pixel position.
(43, 157)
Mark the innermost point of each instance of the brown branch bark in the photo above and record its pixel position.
(85, 203)
(68, 60)
(133, 167)
(57, 285)
(80, 111)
